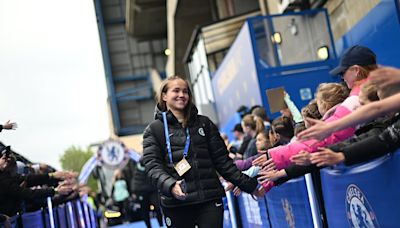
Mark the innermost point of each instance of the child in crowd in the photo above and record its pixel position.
(310, 111)
(263, 144)
(252, 125)
(282, 131)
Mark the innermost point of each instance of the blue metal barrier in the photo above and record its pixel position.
(253, 212)
(49, 222)
(81, 216)
(93, 220)
(365, 195)
(62, 217)
(86, 212)
(289, 206)
(32, 219)
(72, 220)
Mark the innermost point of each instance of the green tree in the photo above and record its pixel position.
(74, 158)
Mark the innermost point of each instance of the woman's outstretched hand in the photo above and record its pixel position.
(319, 130)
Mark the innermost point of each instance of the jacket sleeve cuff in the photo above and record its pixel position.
(167, 186)
(249, 186)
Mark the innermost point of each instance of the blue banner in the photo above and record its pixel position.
(289, 204)
(235, 82)
(253, 212)
(365, 195)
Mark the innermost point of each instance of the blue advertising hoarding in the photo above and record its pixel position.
(289, 204)
(363, 196)
(253, 212)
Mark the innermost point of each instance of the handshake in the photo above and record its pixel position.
(68, 183)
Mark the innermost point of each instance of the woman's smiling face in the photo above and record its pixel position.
(177, 95)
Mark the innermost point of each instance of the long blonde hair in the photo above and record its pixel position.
(164, 88)
(331, 94)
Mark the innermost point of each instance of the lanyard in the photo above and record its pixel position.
(185, 150)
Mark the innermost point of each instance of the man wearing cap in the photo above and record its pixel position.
(355, 65)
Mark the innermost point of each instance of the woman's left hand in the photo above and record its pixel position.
(177, 192)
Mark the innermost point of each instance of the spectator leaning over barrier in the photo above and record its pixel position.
(355, 65)
(302, 160)
(182, 151)
(281, 132)
(263, 144)
(8, 126)
(390, 76)
(16, 188)
(373, 146)
(329, 95)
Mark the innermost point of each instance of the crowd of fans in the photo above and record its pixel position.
(347, 123)
(26, 186)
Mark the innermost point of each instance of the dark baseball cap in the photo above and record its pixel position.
(238, 127)
(356, 55)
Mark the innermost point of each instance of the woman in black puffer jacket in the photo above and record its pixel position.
(194, 197)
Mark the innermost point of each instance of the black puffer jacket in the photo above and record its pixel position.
(12, 194)
(207, 155)
(141, 183)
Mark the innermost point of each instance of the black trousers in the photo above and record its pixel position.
(204, 215)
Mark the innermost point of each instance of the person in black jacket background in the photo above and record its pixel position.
(181, 141)
(15, 188)
(144, 193)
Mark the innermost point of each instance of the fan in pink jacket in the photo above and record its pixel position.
(355, 65)
(281, 154)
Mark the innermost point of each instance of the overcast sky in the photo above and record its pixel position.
(52, 79)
